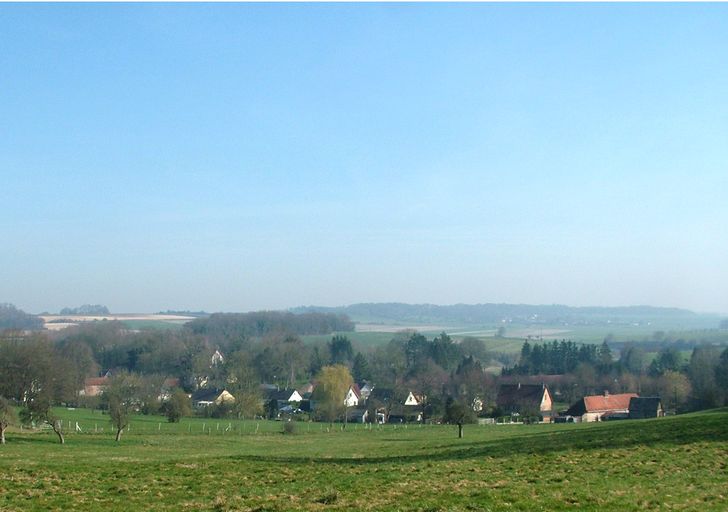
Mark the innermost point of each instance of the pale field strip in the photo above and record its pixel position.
(78, 319)
(398, 328)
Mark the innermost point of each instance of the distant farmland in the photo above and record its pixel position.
(131, 320)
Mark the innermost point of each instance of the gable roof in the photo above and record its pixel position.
(284, 395)
(355, 389)
(96, 381)
(510, 394)
(206, 395)
(607, 402)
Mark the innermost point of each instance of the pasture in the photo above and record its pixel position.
(677, 463)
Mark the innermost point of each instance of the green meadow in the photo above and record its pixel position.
(676, 463)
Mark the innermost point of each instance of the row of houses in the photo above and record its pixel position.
(536, 400)
(532, 401)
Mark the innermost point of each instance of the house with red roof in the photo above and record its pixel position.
(94, 386)
(600, 407)
(353, 396)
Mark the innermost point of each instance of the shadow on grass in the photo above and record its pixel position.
(675, 431)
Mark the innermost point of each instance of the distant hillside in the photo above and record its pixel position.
(481, 314)
(226, 327)
(196, 314)
(12, 318)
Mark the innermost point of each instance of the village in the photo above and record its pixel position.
(364, 402)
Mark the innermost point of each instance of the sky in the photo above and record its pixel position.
(263, 156)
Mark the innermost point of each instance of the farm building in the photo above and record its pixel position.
(645, 407)
(208, 397)
(598, 407)
(165, 391)
(525, 400)
(94, 386)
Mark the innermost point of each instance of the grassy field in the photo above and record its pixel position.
(678, 463)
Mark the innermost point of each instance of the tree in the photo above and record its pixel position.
(632, 359)
(316, 360)
(121, 396)
(178, 406)
(721, 371)
(674, 389)
(668, 359)
(471, 385)
(459, 414)
(80, 360)
(332, 384)
(12, 318)
(475, 347)
(248, 403)
(242, 380)
(360, 368)
(429, 382)
(36, 375)
(444, 352)
(605, 358)
(586, 378)
(38, 410)
(701, 372)
(340, 350)
(7, 417)
(281, 356)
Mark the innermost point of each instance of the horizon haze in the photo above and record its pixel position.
(266, 156)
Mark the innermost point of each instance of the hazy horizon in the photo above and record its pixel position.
(246, 157)
(335, 306)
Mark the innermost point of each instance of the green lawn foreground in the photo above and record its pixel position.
(677, 463)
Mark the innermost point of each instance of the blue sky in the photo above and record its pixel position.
(241, 157)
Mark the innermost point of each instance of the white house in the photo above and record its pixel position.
(216, 359)
(413, 399)
(352, 396)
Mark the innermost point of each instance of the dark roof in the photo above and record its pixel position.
(382, 394)
(355, 414)
(206, 395)
(521, 394)
(282, 395)
(644, 406)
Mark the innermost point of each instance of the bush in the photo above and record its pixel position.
(289, 427)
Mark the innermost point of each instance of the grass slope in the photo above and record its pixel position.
(674, 463)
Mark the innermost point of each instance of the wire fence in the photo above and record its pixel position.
(143, 425)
